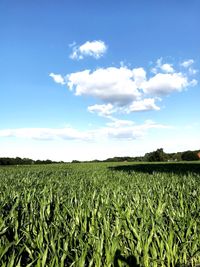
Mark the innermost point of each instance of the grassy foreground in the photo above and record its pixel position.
(92, 215)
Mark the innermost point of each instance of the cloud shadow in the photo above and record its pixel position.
(150, 168)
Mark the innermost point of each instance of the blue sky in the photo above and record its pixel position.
(96, 79)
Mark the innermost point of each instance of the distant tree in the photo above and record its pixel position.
(48, 161)
(76, 161)
(189, 156)
(95, 161)
(24, 161)
(158, 155)
(177, 156)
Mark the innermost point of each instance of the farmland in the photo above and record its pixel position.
(99, 214)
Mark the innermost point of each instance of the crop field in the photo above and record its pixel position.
(99, 214)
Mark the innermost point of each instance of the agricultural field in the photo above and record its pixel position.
(99, 214)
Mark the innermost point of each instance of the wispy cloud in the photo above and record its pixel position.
(115, 128)
(164, 67)
(95, 49)
(45, 133)
(128, 130)
(57, 78)
(102, 110)
(187, 63)
(106, 110)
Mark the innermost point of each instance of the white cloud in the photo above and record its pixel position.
(192, 71)
(122, 129)
(112, 85)
(165, 83)
(167, 68)
(46, 133)
(187, 63)
(139, 76)
(117, 123)
(94, 49)
(102, 110)
(125, 90)
(142, 105)
(130, 131)
(171, 139)
(106, 110)
(193, 82)
(57, 78)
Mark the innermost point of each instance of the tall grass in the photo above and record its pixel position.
(88, 215)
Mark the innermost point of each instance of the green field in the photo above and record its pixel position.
(99, 215)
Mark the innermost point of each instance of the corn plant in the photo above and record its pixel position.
(91, 215)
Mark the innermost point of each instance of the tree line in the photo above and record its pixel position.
(160, 156)
(156, 156)
(24, 161)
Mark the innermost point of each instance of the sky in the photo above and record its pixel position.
(90, 79)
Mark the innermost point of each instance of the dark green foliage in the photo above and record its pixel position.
(189, 156)
(24, 161)
(156, 156)
(75, 161)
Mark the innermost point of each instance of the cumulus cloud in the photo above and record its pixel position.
(187, 63)
(139, 76)
(122, 85)
(127, 90)
(57, 78)
(167, 68)
(112, 85)
(142, 105)
(124, 89)
(165, 83)
(94, 49)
